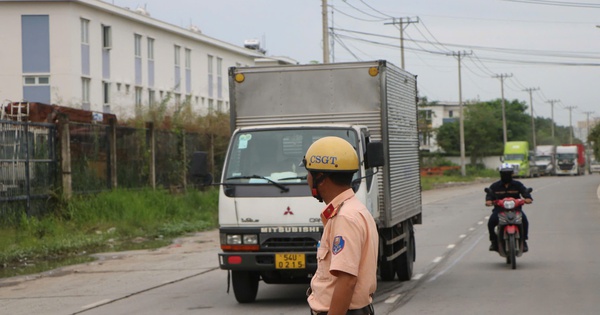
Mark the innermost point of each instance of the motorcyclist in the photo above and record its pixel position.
(506, 187)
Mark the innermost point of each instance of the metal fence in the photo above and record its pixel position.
(28, 166)
(100, 157)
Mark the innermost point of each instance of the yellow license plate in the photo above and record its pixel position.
(290, 261)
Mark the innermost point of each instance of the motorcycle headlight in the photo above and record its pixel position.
(509, 204)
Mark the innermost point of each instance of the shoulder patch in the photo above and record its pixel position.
(338, 245)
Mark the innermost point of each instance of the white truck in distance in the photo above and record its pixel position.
(544, 159)
(268, 220)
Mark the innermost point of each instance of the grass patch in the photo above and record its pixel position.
(472, 174)
(110, 221)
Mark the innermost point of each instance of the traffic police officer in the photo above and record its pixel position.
(346, 275)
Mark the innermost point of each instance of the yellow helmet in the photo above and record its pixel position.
(331, 154)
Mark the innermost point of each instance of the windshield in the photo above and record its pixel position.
(275, 154)
(543, 158)
(566, 156)
(514, 157)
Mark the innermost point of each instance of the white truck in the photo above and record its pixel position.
(269, 223)
(544, 159)
(570, 159)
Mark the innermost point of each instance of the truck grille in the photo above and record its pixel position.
(289, 243)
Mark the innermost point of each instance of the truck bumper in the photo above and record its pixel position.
(261, 261)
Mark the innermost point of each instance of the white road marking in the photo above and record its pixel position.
(458, 259)
(417, 276)
(598, 192)
(95, 304)
(438, 259)
(451, 246)
(480, 222)
(393, 298)
(463, 236)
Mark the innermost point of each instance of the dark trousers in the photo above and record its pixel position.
(493, 221)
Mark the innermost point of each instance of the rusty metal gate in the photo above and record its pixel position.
(28, 164)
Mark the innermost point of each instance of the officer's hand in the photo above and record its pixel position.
(488, 203)
(528, 200)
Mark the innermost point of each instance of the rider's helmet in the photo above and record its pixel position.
(335, 158)
(331, 154)
(506, 172)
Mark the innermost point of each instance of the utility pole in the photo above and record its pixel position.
(552, 108)
(463, 169)
(325, 33)
(587, 125)
(501, 77)
(570, 108)
(530, 90)
(402, 22)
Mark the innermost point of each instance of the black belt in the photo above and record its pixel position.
(367, 310)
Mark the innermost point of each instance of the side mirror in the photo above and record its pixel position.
(502, 158)
(529, 190)
(199, 167)
(374, 157)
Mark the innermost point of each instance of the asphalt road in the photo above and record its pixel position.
(454, 271)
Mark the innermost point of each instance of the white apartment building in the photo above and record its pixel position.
(435, 116)
(93, 55)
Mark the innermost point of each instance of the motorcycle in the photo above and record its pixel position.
(510, 228)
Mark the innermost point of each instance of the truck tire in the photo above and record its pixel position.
(245, 285)
(405, 261)
(386, 268)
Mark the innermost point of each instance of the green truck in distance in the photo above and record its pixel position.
(517, 154)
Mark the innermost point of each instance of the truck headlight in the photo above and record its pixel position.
(250, 239)
(234, 239)
(246, 239)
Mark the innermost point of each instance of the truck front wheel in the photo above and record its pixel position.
(386, 268)
(406, 260)
(245, 285)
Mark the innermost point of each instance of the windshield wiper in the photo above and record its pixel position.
(295, 177)
(278, 185)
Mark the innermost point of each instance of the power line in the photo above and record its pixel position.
(559, 3)
(401, 21)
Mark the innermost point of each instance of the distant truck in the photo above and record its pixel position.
(545, 156)
(517, 154)
(570, 159)
(269, 223)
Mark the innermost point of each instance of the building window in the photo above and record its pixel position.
(151, 98)
(138, 45)
(220, 106)
(220, 78)
(36, 80)
(106, 92)
(85, 90)
(450, 113)
(177, 55)
(188, 58)
(211, 106)
(150, 48)
(106, 37)
(85, 31)
(210, 76)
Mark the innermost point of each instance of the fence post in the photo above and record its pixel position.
(65, 156)
(112, 142)
(151, 141)
(184, 159)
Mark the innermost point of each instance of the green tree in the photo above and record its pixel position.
(594, 139)
(483, 128)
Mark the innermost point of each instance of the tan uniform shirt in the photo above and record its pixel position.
(349, 244)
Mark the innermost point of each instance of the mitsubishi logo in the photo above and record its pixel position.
(288, 211)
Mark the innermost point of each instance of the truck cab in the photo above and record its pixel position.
(517, 154)
(269, 222)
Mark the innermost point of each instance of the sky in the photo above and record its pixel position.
(550, 47)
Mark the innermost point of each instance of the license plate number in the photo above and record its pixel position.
(290, 261)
